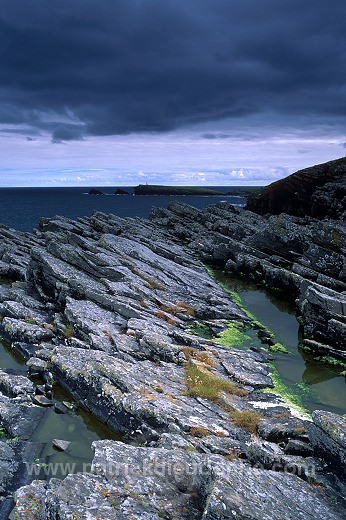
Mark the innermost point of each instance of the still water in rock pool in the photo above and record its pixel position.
(319, 385)
(78, 427)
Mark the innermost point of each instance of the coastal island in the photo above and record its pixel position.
(94, 191)
(153, 189)
(125, 317)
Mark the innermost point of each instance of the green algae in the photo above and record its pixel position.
(331, 361)
(278, 347)
(238, 300)
(200, 329)
(233, 336)
(254, 324)
(293, 396)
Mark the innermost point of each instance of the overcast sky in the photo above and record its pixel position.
(213, 92)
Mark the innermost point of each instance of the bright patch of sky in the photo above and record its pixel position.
(185, 157)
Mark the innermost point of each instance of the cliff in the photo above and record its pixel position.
(318, 191)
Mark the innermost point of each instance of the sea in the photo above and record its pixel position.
(22, 208)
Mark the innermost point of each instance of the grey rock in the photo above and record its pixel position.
(324, 310)
(17, 330)
(69, 406)
(155, 346)
(60, 444)
(15, 385)
(245, 368)
(297, 447)
(151, 483)
(125, 394)
(288, 253)
(227, 446)
(40, 390)
(41, 400)
(36, 365)
(60, 408)
(26, 350)
(19, 418)
(327, 435)
(55, 278)
(170, 441)
(47, 377)
(15, 309)
(268, 404)
(267, 455)
(8, 466)
(276, 429)
(5, 290)
(131, 290)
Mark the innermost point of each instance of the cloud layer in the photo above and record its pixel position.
(75, 68)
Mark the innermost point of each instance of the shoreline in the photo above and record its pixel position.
(115, 305)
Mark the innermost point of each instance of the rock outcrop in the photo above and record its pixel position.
(303, 257)
(328, 436)
(120, 191)
(318, 191)
(153, 483)
(94, 191)
(112, 309)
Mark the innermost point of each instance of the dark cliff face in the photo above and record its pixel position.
(318, 191)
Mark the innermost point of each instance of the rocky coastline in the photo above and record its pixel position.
(116, 311)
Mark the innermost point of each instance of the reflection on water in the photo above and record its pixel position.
(75, 428)
(79, 427)
(277, 312)
(318, 372)
(10, 360)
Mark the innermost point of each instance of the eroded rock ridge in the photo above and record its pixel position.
(112, 309)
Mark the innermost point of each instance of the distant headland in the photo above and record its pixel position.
(153, 189)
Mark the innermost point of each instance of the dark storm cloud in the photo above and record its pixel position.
(20, 131)
(78, 67)
(67, 132)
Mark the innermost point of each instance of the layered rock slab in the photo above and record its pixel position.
(143, 483)
(113, 302)
(300, 256)
(130, 396)
(328, 436)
